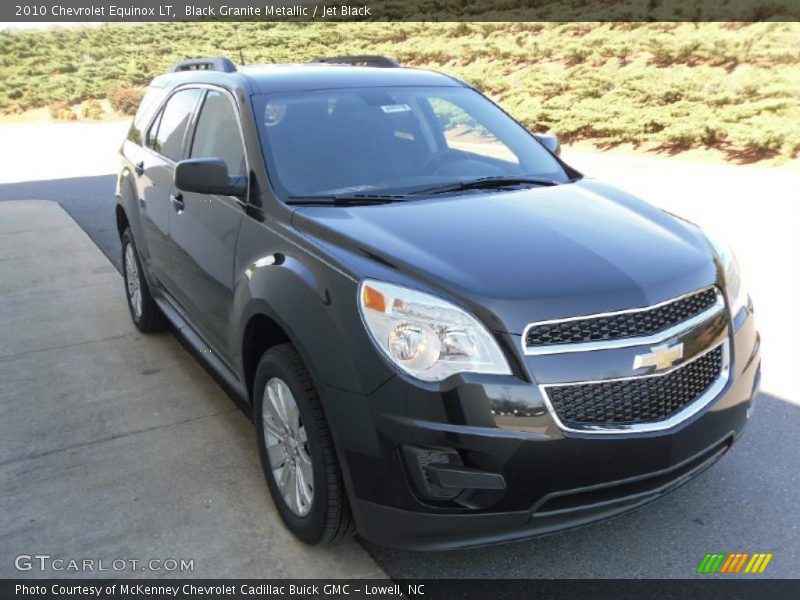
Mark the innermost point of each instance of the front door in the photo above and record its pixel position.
(164, 144)
(205, 232)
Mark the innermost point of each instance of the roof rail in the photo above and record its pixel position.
(208, 63)
(359, 61)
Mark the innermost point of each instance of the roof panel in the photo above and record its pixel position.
(291, 78)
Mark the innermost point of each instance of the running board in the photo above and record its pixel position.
(203, 349)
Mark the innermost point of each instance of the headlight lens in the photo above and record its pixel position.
(738, 297)
(425, 336)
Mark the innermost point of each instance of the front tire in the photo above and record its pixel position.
(145, 313)
(296, 450)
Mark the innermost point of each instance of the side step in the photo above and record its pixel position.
(203, 349)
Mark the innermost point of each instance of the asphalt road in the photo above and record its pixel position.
(747, 502)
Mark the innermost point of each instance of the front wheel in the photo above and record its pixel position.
(296, 449)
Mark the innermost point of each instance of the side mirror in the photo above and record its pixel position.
(208, 176)
(550, 142)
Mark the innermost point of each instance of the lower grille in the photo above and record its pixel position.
(638, 400)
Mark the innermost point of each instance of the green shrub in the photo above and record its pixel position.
(764, 142)
(681, 136)
(92, 109)
(683, 85)
(125, 101)
(62, 111)
(711, 134)
(578, 55)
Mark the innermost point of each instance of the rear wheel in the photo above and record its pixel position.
(145, 313)
(296, 449)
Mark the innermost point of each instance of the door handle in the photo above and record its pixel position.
(177, 202)
(139, 167)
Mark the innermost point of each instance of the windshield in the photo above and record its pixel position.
(392, 141)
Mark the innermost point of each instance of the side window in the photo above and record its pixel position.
(150, 139)
(217, 134)
(462, 132)
(166, 133)
(150, 100)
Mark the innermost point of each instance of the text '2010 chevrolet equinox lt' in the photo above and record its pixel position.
(446, 336)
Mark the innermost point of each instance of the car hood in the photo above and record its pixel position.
(514, 257)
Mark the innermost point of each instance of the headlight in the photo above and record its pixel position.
(426, 336)
(738, 297)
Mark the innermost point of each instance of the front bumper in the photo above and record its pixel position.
(553, 479)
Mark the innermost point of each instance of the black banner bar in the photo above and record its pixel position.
(712, 588)
(398, 10)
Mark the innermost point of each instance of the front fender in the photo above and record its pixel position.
(315, 305)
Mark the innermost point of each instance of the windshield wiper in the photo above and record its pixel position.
(345, 199)
(486, 183)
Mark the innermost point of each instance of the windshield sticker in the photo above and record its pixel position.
(395, 108)
(274, 113)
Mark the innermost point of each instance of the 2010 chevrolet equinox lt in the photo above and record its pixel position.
(446, 336)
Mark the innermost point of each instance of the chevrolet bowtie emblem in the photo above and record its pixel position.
(660, 357)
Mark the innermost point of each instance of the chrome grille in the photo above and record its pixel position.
(622, 325)
(637, 400)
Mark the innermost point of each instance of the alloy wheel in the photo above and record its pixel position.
(132, 281)
(287, 447)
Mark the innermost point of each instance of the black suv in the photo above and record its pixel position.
(446, 336)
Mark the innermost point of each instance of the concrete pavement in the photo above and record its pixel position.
(116, 445)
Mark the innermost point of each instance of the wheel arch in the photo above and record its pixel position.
(313, 307)
(123, 222)
(261, 333)
(127, 206)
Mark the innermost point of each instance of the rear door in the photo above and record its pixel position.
(205, 231)
(164, 146)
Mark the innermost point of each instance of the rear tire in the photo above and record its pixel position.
(296, 449)
(145, 313)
